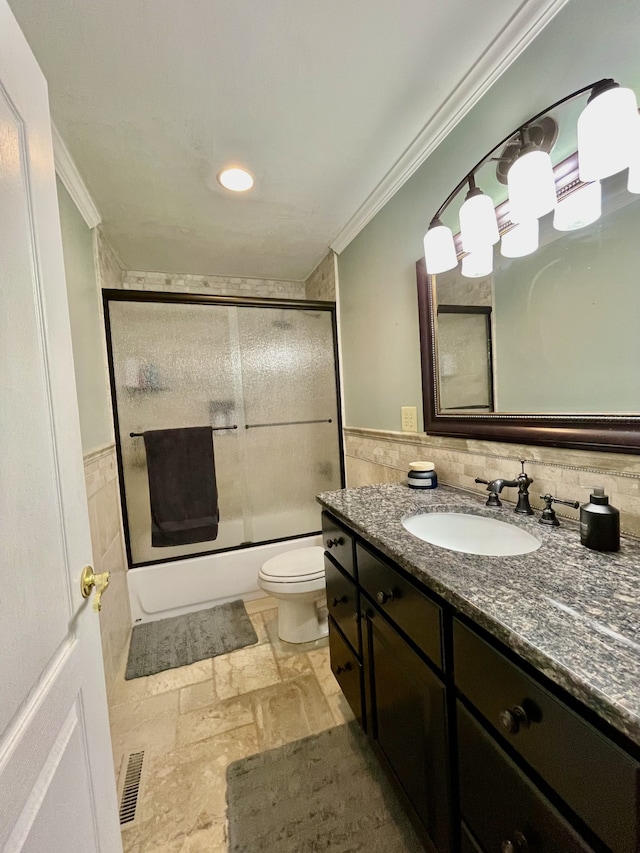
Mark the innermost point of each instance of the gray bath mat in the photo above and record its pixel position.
(326, 792)
(181, 640)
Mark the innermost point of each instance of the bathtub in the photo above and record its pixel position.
(194, 583)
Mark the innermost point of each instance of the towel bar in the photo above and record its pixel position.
(141, 434)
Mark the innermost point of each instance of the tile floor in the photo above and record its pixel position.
(194, 721)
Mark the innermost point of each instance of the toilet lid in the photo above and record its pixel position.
(301, 564)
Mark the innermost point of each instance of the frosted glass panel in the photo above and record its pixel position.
(176, 366)
(288, 377)
(181, 365)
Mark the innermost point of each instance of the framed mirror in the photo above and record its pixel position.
(546, 348)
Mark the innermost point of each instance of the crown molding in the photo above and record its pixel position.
(532, 17)
(68, 173)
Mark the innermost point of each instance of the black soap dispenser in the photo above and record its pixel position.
(599, 523)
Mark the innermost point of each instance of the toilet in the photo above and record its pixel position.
(296, 580)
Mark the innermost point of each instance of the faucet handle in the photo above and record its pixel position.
(548, 513)
(484, 482)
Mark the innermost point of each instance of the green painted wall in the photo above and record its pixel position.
(86, 328)
(587, 40)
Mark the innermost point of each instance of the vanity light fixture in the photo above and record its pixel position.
(235, 178)
(439, 248)
(579, 209)
(478, 223)
(608, 143)
(479, 263)
(523, 239)
(532, 187)
(607, 131)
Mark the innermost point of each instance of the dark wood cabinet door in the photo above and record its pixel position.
(501, 805)
(409, 727)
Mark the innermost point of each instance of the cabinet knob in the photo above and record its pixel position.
(518, 845)
(342, 600)
(513, 719)
(333, 542)
(382, 597)
(343, 668)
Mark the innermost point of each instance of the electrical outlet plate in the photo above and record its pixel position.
(409, 418)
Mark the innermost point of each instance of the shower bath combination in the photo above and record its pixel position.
(262, 374)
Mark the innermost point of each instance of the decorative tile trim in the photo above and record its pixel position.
(98, 452)
(375, 456)
(213, 284)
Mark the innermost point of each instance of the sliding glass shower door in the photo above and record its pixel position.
(262, 376)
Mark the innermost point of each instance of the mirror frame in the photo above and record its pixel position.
(610, 433)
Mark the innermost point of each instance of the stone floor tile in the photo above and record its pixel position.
(149, 724)
(244, 670)
(257, 605)
(282, 649)
(292, 666)
(161, 682)
(340, 708)
(257, 620)
(184, 790)
(321, 664)
(208, 722)
(196, 696)
(289, 711)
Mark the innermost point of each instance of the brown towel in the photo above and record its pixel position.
(182, 486)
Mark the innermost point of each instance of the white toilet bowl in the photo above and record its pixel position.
(296, 580)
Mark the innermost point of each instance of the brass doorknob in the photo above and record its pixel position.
(88, 580)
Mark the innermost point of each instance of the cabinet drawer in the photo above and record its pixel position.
(413, 612)
(342, 602)
(499, 804)
(348, 672)
(593, 775)
(338, 542)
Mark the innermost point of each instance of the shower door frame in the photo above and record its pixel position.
(159, 296)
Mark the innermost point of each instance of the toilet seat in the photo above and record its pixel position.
(297, 566)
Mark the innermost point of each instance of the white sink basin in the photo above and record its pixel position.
(471, 534)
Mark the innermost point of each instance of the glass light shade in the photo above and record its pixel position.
(579, 209)
(478, 224)
(439, 249)
(522, 239)
(479, 263)
(532, 187)
(606, 134)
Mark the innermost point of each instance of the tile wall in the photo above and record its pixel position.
(107, 542)
(321, 284)
(375, 456)
(217, 285)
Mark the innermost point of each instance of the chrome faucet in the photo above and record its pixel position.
(521, 482)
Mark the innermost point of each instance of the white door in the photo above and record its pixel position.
(57, 789)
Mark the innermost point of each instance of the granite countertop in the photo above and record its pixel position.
(571, 612)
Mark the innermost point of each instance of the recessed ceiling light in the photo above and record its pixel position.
(236, 179)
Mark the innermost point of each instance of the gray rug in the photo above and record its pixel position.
(326, 792)
(181, 640)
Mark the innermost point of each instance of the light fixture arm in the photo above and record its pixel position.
(596, 88)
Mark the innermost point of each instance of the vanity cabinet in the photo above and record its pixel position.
(343, 604)
(487, 755)
(592, 775)
(408, 726)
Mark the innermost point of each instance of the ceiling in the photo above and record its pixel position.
(320, 101)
